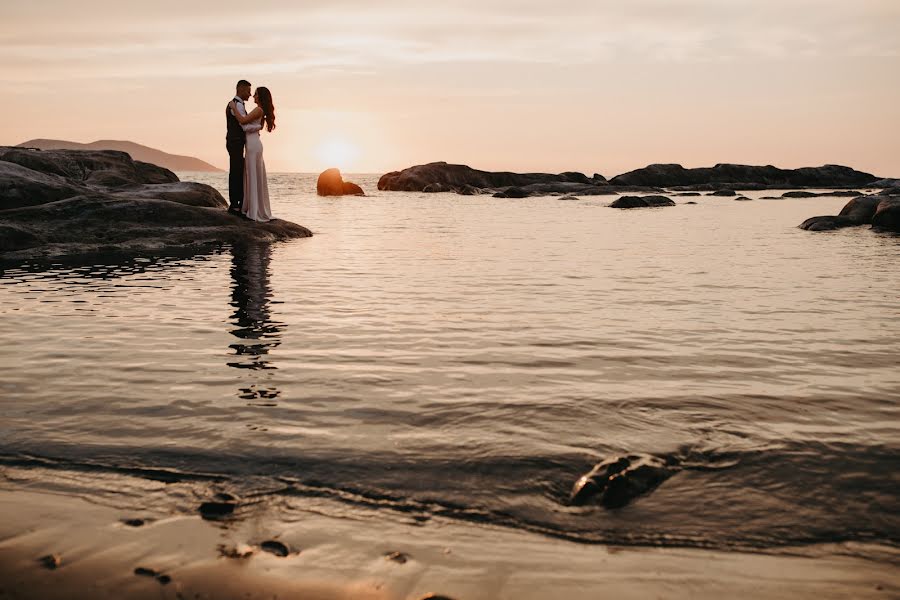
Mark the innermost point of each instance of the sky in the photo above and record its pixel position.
(594, 86)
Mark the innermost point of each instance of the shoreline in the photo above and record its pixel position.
(336, 557)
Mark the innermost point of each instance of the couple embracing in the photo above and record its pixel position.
(248, 190)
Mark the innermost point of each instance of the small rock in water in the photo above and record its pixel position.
(741, 199)
(164, 579)
(133, 522)
(570, 198)
(619, 480)
(145, 572)
(398, 557)
(225, 497)
(435, 597)
(216, 510)
(691, 202)
(275, 547)
(51, 561)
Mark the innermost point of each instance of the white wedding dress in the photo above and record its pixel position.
(256, 187)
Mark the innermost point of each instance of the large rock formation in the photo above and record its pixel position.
(641, 202)
(64, 202)
(744, 177)
(443, 177)
(331, 183)
(882, 212)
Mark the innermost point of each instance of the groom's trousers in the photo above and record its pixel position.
(235, 174)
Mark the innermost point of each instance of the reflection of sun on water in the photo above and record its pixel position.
(337, 152)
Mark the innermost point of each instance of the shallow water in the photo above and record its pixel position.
(470, 357)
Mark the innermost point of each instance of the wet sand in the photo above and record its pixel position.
(334, 558)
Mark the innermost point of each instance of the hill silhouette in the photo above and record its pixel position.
(173, 162)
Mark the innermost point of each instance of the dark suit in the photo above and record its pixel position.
(234, 143)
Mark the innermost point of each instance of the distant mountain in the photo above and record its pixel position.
(173, 162)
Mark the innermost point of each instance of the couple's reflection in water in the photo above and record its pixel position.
(258, 334)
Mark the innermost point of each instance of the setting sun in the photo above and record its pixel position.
(337, 152)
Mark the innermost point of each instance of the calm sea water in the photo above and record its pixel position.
(469, 358)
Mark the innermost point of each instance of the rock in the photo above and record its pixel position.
(468, 190)
(861, 210)
(891, 191)
(886, 183)
(691, 202)
(160, 577)
(834, 193)
(671, 175)
(570, 198)
(133, 522)
(619, 480)
(79, 202)
(435, 597)
(351, 189)
(827, 223)
(331, 183)
(275, 547)
(455, 177)
(887, 215)
(882, 212)
(689, 194)
(641, 202)
(50, 561)
(724, 193)
(398, 557)
(513, 192)
(742, 199)
(212, 511)
(21, 186)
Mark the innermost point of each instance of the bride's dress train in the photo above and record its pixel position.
(256, 187)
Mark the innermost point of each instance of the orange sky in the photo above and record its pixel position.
(590, 85)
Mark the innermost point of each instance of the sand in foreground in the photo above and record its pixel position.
(336, 558)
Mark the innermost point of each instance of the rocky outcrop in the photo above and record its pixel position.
(882, 212)
(441, 176)
(836, 193)
(745, 176)
(887, 215)
(641, 202)
(331, 183)
(67, 202)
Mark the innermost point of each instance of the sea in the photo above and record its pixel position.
(435, 356)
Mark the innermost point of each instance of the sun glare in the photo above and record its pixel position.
(337, 152)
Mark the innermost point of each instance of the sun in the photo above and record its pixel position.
(337, 152)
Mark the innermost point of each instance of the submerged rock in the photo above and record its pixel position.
(619, 480)
(827, 223)
(68, 202)
(331, 183)
(641, 202)
(724, 193)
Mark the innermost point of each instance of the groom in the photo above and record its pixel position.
(234, 143)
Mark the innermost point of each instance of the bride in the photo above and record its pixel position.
(256, 188)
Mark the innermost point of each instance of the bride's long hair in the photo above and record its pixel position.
(265, 102)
